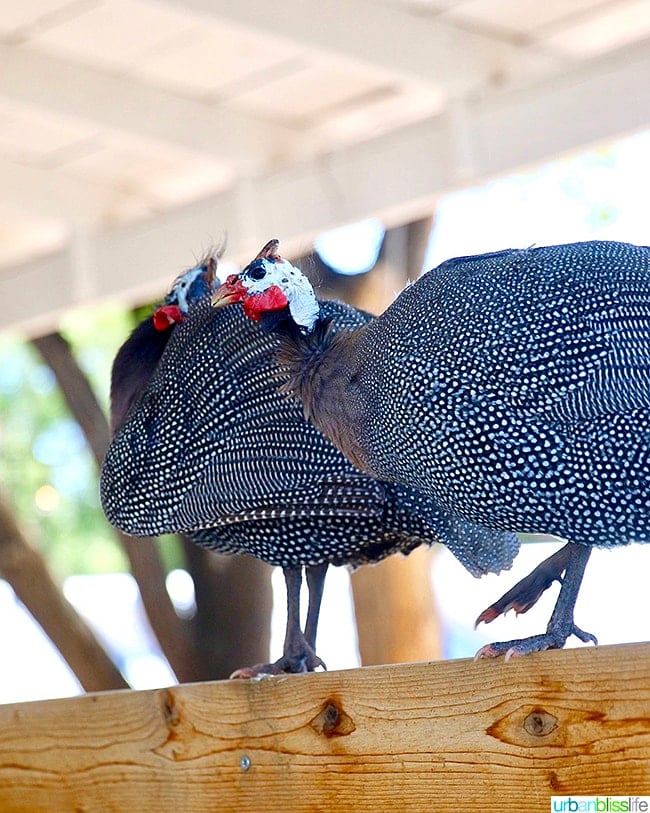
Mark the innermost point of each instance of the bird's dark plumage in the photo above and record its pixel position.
(138, 357)
(133, 367)
(512, 387)
(211, 449)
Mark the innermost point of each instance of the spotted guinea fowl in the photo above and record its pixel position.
(512, 387)
(132, 369)
(211, 449)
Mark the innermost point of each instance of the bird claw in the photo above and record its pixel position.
(286, 665)
(553, 639)
(502, 607)
(585, 637)
(260, 670)
(527, 592)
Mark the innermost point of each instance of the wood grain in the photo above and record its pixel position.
(447, 736)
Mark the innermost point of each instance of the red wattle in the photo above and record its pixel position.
(272, 299)
(166, 316)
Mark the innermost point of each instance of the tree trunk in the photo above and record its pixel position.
(396, 617)
(25, 570)
(233, 594)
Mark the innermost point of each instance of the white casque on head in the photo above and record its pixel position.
(299, 292)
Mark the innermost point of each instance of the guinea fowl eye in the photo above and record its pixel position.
(257, 272)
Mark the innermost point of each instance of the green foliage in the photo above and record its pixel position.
(42, 446)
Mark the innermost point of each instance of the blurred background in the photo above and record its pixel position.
(375, 139)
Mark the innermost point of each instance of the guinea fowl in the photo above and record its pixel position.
(211, 449)
(133, 366)
(511, 387)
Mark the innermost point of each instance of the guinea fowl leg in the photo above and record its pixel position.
(528, 591)
(298, 653)
(561, 626)
(315, 582)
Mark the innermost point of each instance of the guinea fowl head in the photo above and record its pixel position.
(189, 287)
(272, 292)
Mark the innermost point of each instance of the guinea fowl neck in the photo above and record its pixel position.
(320, 369)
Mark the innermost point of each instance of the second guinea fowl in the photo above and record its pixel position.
(512, 387)
(209, 448)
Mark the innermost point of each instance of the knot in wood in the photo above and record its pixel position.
(170, 710)
(332, 720)
(331, 716)
(540, 723)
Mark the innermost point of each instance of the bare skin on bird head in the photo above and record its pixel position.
(175, 307)
(235, 290)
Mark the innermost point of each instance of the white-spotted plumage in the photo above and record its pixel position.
(513, 388)
(213, 450)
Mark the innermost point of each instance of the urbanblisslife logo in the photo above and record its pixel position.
(600, 804)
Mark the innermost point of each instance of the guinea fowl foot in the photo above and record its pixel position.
(561, 626)
(529, 590)
(302, 660)
(299, 647)
(555, 639)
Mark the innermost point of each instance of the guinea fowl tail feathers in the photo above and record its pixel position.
(480, 550)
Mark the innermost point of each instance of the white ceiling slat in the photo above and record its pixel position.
(612, 27)
(124, 105)
(128, 30)
(397, 176)
(521, 16)
(151, 128)
(413, 48)
(48, 193)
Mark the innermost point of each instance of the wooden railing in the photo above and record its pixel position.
(448, 736)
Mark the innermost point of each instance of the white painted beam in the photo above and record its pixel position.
(385, 36)
(124, 105)
(50, 193)
(398, 177)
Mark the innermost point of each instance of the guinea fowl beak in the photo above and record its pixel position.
(231, 291)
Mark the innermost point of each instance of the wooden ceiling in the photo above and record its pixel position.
(134, 134)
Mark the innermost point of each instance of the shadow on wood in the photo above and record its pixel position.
(444, 736)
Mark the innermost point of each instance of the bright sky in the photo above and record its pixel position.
(601, 195)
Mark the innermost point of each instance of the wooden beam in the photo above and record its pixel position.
(125, 105)
(394, 40)
(446, 736)
(398, 177)
(51, 193)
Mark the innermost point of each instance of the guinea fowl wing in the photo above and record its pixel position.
(210, 432)
(505, 372)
